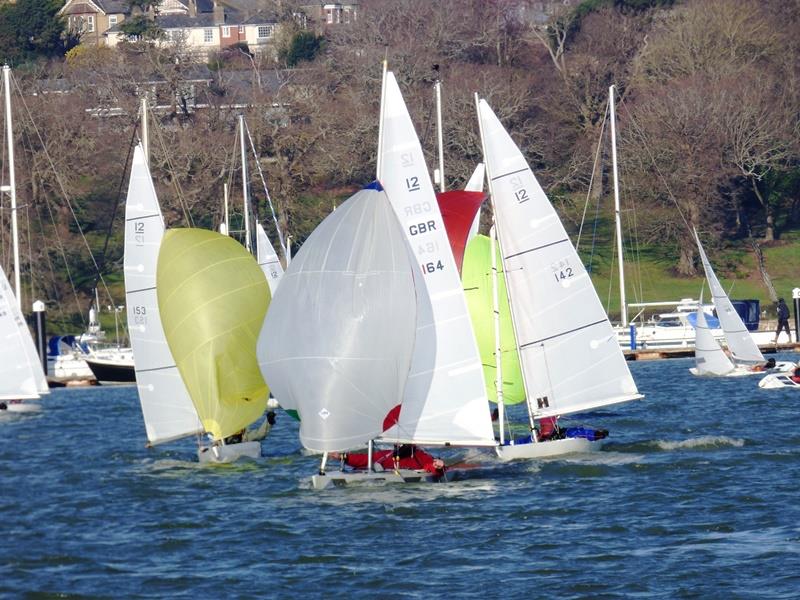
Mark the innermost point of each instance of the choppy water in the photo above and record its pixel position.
(695, 496)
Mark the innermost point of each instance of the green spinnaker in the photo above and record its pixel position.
(213, 297)
(476, 276)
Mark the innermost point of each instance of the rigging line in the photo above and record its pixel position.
(266, 190)
(51, 269)
(109, 229)
(591, 179)
(655, 165)
(171, 169)
(63, 193)
(30, 250)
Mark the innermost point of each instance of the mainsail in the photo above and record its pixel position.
(20, 376)
(570, 357)
(342, 326)
(445, 399)
(478, 288)
(709, 356)
(166, 407)
(213, 299)
(740, 342)
(268, 259)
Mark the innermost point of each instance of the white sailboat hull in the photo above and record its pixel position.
(333, 479)
(228, 453)
(22, 407)
(548, 449)
(778, 380)
(742, 371)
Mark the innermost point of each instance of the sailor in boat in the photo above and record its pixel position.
(255, 434)
(547, 429)
(404, 456)
(796, 375)
(770, 364)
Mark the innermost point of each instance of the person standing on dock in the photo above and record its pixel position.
(783, 320)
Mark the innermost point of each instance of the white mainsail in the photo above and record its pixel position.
(740, 342)
(445, 400)
(475, 184)
(166, 406)
(268, 259)
(708, 355)
(570, 358)
(342, 326)
(20, 376)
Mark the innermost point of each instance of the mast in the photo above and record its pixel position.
(145, 132)
(498, 380)
(11, 188)
(617, 216)
(245, 189)
(380, 119)
(226, 216)
(439, 138)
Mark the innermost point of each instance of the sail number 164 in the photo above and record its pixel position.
(431, 267)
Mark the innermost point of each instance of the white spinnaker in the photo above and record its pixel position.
(445, 400)
(166, 406)
(570, 358)
(342, 326)
(740, 342)
(709, 357)
(19, 376)
(268, 259)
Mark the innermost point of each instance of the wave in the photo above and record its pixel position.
(705, 441)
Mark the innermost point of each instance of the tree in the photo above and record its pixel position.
(33, 29)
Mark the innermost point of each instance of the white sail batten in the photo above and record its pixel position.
(558, 318)
(268, 259)
(342, 326)
(740, 342)
(709, 356)
(166, 406)
(19, 375)
(445, 400)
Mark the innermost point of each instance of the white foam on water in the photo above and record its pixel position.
(705, 441)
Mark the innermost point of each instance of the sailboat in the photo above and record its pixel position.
(167, 407)
(22, 376)
(212, 299)
(568, 352)
(744, 353)
(341, 337)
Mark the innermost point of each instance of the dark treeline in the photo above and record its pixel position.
(708, 116)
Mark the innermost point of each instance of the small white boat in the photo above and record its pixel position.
(775, 381)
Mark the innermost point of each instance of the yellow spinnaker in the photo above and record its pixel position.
(213, 297)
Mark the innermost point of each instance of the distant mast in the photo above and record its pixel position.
(617, 217)
(11, 188)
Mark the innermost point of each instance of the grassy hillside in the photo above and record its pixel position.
(652, 277)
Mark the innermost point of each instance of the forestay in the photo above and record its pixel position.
(268, 259)
(740, 342)
(709, 356)
(213, 299)
(445, 399)
(570, 357)
(20, 376)
(167, 409)
(342, 326)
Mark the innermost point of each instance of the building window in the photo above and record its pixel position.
(112, 20)
(329, 15)
(264, 31)
(90, 23)
(226, 31)
(241, 29)
(208, 35)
